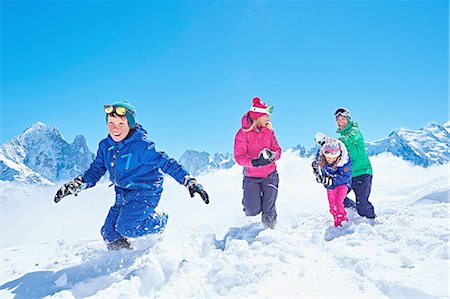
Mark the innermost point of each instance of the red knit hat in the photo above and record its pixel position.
(258, 108)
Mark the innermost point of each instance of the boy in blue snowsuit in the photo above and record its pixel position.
(135, 168)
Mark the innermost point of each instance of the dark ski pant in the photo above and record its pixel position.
(362, 185)
(260, 195)
(131, 216)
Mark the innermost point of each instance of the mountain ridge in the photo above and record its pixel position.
(40, 155)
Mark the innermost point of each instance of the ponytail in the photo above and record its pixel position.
(254, 124)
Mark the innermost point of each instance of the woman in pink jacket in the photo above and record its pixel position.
(257, 149)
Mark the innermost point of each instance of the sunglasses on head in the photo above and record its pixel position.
(118, 110)
(268, 110)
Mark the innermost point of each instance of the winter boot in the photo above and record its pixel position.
(348, 203)
(118, 244)
(269, 221)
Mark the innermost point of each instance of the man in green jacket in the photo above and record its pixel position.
(351, 136)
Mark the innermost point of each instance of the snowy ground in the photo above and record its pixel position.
(55, 250)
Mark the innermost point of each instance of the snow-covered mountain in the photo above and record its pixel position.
(424, 147)
(202, 162)
(304, 152)
(13, 171)
(41, 155)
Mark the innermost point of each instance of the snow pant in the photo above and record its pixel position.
(260, 195)
(132, 215)
(362, 185)
(336, 200)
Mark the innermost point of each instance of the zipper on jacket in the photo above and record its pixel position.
(113, 163)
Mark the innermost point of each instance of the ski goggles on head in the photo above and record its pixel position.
(268, 110)
(117, 109)
(342, 112)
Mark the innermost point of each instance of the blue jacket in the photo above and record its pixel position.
(133, 165)
(342, 173)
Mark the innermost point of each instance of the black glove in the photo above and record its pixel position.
(326, 180)
(266, 156)
(195, 187)
(71, 187)
(315, 166)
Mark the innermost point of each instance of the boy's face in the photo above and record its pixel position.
(341, 122)
(118, 127)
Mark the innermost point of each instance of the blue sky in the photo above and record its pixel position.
(191, 68)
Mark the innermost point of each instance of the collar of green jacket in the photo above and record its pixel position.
(347, 128)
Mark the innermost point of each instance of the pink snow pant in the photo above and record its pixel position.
(336, 200)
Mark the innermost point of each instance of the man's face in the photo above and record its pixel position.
(341, 122)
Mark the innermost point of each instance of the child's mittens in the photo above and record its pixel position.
(194, 187)
(325, 180)
(71, 187)
(315, 166)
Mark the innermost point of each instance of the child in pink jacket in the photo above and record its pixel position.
(256, 148)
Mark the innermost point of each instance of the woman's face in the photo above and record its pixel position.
(341, 122)
(118, 128)
(263, 120)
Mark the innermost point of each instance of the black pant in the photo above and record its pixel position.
(362, 185)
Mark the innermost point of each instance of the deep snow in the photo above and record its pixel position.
(55, 250)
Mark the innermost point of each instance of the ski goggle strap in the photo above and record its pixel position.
(118, 110)
(268, 110)
(342, 112)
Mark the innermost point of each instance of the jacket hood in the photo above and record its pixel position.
(344, 154)
(246, 121)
